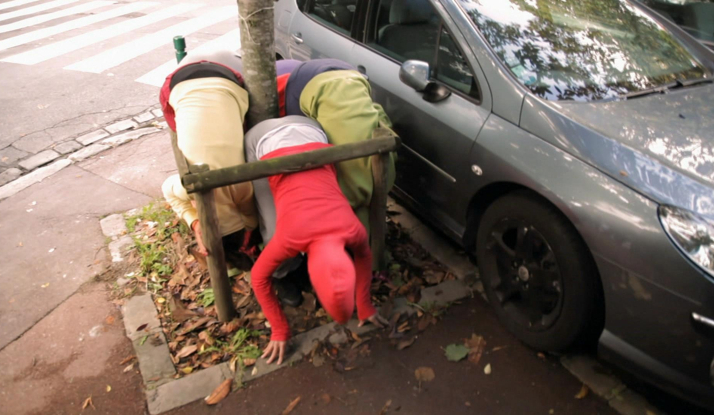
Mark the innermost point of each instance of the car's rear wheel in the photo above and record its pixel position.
(537, 272)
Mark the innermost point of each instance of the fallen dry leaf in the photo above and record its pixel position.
(292, 406)
(541, 356)
(45, 285)
(220, 392)
(248, 362)
(128, 368)
(497, 348)
(109, 388)
(476, 345)
(487, 369)
(583, 392)
(88, 402)
(187, 351)
(424, 374)
(127, 360)
(385, 408)
(109, 320)
(142, 327)
(406, 343)
(20, 244)
(325, 398)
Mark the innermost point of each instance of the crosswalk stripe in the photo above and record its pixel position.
(15, 3)
(120, 54)
(35, 9)
(53, 50)
(32, 21)
(73, 24)
(229, 41)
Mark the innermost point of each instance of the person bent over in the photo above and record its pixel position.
(204, 104)
(339, 98)
(313, 216)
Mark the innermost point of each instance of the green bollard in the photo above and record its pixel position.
(180, 46)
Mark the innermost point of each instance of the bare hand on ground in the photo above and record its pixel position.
(196, 226)
(377, 320)
(275, 349)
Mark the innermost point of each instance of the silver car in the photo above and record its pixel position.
(567, 144)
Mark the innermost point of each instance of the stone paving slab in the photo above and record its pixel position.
(144, 117)
(186, 390)
(152, 352)
(67, 147)
(121, 126)
(139, 311)
(38, 159)
(113, 225)
(9, 175)
(92, 137)
(9, 155)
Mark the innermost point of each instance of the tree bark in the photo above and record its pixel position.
(258, 52)
(207, 217)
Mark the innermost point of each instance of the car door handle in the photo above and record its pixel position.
(297, 38)
(361, 69)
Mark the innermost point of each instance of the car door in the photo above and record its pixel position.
(437, 137)
(322, 29)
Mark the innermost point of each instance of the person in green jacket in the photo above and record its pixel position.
(337, 96)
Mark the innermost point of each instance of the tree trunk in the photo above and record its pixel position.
(258, 52)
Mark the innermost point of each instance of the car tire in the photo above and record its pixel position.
(560, 265)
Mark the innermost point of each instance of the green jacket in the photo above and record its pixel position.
(341, 102)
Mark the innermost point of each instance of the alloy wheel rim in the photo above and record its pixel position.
(526, 281)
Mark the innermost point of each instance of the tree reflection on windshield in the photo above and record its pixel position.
(581, 50)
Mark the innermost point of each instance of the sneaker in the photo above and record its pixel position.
(288, 292)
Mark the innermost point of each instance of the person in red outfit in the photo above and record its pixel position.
(314, 217)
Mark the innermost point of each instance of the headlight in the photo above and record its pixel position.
(692, 233)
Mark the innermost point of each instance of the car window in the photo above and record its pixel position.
(411, 29)
(406, 29)
(582, 49)
(694, 16)
(451, 68)
(337, 14)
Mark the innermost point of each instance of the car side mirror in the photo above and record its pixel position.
(415, 74)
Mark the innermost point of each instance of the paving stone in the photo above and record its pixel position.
(32, 178)
(445, 292)
(142, 118)
(9, 175)
(591, 373)
(38, 159)
(186, 390)
(92, 137)
(9, 155)
(154, 358)
(120, 139)
(87, 152)
(118, 247)
(140, 310)
(67, 147)
(630, 403)
(113, 225)
(121, 126)
(157, 113)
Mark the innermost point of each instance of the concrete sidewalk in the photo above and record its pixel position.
(54, 339)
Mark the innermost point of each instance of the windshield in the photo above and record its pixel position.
(696, 17)
(582, 49)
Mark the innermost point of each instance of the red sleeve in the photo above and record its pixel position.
(261, 280)
(282, 84)
(166, 108)
(363, 275)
